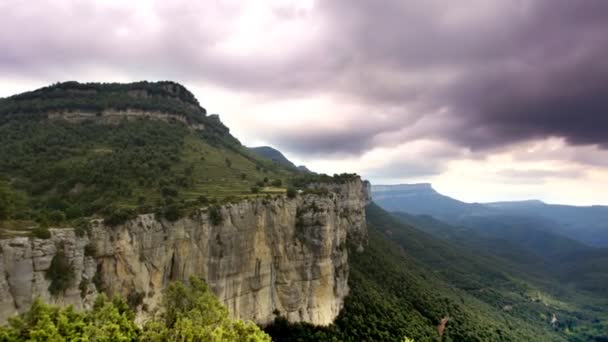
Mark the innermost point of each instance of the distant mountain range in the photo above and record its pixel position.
(276, 156)
(588, 225)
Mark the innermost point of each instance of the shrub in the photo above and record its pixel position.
(168, 192)
(117, 216)
(255, 189)
(202, 200)
(82, 227)
(215, 215)
(41, 232)
(172, 213)
(260, 184)
(56, 217)
(135, 299)
(83, 287)
(90, 250)
(276, 182)
(98, 281)
(292, 193)
(60, 273)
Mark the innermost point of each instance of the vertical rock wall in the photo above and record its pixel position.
(266, 256)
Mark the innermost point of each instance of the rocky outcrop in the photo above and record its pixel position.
(111, 116)
(266, 256)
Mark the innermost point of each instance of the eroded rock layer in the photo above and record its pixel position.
(266, 256)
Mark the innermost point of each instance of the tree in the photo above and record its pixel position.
(60, 273)
(291, 193)
(192, 313)
(6, 202)
(215, 215)
(107, 321)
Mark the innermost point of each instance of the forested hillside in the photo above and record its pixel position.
(407, 282)
(54, 172)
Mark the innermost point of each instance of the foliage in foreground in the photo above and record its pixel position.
(189, 313)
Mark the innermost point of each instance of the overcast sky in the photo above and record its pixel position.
(487, 100)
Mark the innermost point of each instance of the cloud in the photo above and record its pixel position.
(348, 78)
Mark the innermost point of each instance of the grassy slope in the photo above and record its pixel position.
(79, 170)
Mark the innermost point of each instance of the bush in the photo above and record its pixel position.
(82, 227)
(60, 273)
(261, 184)
(98, 281)
(276, 183)
(168, 192)
(172, 213)
(255, 189)
(41, 233)
(118, 216)
(90, 250)
(83, 287)
(203, 200)
(56, 217)
(135, 299)
(292, 193)
(215, 215)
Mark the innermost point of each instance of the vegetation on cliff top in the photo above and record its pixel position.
(53, 172)
(188, 313)
(163, 96)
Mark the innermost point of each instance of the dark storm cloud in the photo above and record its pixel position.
(485, 75)
(519, 71)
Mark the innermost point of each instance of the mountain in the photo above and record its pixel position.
(512, 231)
(423, 199)
(276, 156)
(124, 188)
(588, 225)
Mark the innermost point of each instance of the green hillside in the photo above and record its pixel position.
(53, 172)
(406, 282)
(535, 252)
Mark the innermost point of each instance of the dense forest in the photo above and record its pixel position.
(96, 97)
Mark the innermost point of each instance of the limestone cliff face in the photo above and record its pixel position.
(111, 116)
(267, 255)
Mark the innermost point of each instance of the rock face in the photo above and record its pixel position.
(116, 116)
(266, 256)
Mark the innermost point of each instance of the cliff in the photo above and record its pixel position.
(264, 256)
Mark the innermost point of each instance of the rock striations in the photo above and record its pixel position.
(266, 256)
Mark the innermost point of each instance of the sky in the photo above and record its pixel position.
(488, 100)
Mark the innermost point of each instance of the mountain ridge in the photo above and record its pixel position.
(587, 224)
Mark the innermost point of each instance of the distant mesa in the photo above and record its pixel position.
(588, 225)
